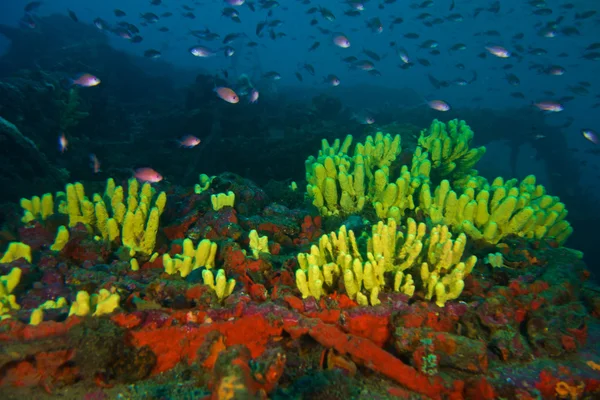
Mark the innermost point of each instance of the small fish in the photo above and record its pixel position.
(309, 68)
(364, 119)
(150, 17)
(458, 46)
(341, 41)
(151, 53)
(298, 76)
(253, 96)
(327, 14)
(63, 143)
(119, 13)
(439, 105)
(227, 94)
(94, 163)
(555, 70)
(375, 25)
(332, 80)
(229, 51)
(189, 141)
(583, 15)
(235, 2)
(549, 106)
(403, 54)
(147, 175)
(85, 80)
(314, 46)
(32, 6)
(201, 51)
(372, 55)
(100, 24)
(590, 135)
(272, 75)
(498, 51)
(513, 80)
(364, 65)
(73, 15)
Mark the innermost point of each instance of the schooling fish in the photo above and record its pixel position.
(201, 51)
(549, 106)
(341, 41)
(590, 135)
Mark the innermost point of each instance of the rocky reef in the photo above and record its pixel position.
(409, 276)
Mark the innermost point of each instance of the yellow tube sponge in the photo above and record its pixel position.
(340, 183)
(15, 251)
(222, 200)
(62, 237)
(106, 303)
(221, 286)
(491, 212)
(448, 148)
(8, 301)
(258, 244)
(81, 306)
(191, 258)
(204, 184)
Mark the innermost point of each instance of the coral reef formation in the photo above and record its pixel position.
(407, 264)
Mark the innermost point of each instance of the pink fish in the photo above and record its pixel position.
(590, 135)
(227, 94)
(189, 141)
(439, 105)
(253, 96)
(498, 51)
(94, 163)
(341, 41)
(147, 175)
(85, 80)
(63, 143)
(549, 106)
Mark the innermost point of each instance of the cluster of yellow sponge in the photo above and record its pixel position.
(15, 251)
(390, 258)
(202, 256)
(112, 215)
(490, 212)
(102, 303)
(341, 184)
(448, 146)
(191, 258)
(222, 200)
(8, 301)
